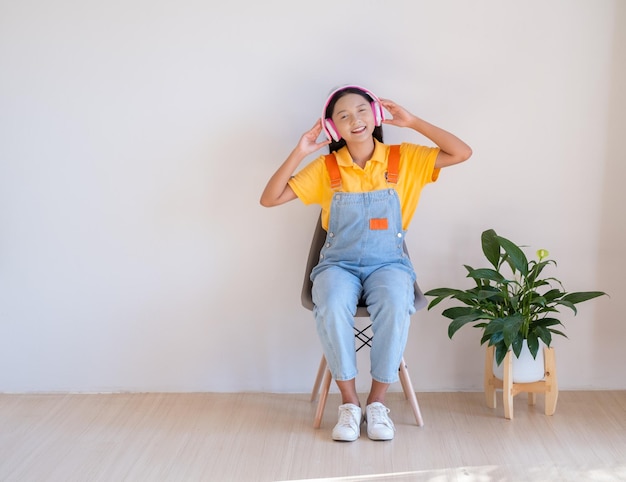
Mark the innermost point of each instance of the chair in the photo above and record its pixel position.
(324, 377)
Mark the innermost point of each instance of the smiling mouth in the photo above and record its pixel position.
(358, 130)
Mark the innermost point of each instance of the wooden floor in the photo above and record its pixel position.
(268, 437)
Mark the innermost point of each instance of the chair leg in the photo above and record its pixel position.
(318, 379)
(321, 404)
(324, 379)
(409, 392)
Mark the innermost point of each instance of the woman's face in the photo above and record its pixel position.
(353, 118)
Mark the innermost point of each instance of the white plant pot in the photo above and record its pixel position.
(526, 369)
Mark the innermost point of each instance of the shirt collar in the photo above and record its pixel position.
(379, 154)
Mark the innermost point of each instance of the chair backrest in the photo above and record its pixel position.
(319, 236)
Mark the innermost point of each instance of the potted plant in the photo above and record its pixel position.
(512, 302)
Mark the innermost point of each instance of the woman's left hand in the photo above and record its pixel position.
(401, 116)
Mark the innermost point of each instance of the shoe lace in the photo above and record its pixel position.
(378, 415)
(346, 418)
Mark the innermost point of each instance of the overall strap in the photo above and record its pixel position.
(333, 171)
(393, 163)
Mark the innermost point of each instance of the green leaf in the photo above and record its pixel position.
(568, 304)
(544, 334)
(546, 322)
(461, 321)
(517, 344)
(491, 247)
(435, 302)
(486, 274)
(501, 351)
(536, 299)
(537, 268)
(471, 297)
(443, 292)
(488, 292)
(533, 344)
(511, 328)
(552, 295)
(557, 332)
(469, 270)
(496, 326)
(458, 311)
(580, 296)
(516, 255)
(492, 339)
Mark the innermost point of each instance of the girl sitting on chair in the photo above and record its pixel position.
(367, 206)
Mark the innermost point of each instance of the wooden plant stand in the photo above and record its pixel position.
(548, 385)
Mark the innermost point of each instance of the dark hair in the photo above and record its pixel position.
(378, 130)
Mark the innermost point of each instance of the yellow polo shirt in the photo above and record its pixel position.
(417, 168)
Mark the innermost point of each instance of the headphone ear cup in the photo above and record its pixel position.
(379, 115)
(332, 130)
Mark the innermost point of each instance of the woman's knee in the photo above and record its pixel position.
(336, 291)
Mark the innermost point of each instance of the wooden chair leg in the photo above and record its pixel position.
(490, 388)
(324, 379)
(507, 387)
(409, 392)
(318, 379)
(321, 404)
(403, 378)
(552, 388)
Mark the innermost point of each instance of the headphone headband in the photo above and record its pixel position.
(329, 126)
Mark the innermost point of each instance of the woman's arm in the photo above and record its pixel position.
(452, 149)
(277, 191)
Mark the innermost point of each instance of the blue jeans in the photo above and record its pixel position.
(360, 262)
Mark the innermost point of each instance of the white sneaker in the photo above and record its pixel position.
(348, 429)
(379, 425)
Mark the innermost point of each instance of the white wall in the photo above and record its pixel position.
(136, 138)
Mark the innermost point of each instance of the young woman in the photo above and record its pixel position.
(368, 192)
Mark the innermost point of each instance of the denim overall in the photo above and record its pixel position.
(363, 259)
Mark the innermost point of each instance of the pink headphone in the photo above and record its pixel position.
(329, 126)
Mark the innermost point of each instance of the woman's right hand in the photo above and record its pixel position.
(308, 142)
(278, 190)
